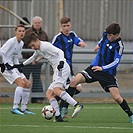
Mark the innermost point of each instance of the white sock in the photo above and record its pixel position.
(66, 97)
(17, 96)
(25, 98)
(53, 102)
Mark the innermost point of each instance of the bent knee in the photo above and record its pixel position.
(49, 94)
(22, 84)
(73, 83)
(28, 84)
(118, 99)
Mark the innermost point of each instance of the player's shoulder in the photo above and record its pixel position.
(58, 35)
(11, 40)
(73, 33)
(45, 43)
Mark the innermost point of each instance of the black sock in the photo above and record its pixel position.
(126, 108)
(64, 104)
(72, 91)
(57, 98)
(76, 92)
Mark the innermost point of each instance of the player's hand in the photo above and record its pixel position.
(61, 65)
(82, 44)
(96, 48)
(2, 67)
(18, 65)
(96, 68)
(9, 67)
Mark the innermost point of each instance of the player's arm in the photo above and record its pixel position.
(38, 59)
(78, 41)
(96, 48)
(6, 48)
(82, 44)
(112, 65)
(28, 61)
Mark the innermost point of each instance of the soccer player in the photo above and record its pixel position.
(65, 41)
(104, 66)
(61, 70)
(11, 51)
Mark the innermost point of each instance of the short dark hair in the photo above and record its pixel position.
(113, 28)
(65, 20)
(20, 25)
(26, 19)
(32, 36)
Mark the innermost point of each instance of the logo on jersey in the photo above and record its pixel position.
(110, 47)
(70, 40)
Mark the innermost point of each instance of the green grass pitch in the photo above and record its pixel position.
(94, 118)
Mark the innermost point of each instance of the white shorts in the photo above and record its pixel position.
(12, 75)
(60, 77)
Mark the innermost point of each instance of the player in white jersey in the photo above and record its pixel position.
(11, 52)
(61, 70)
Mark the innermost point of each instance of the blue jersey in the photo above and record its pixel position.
(109, 54)
(66, 44)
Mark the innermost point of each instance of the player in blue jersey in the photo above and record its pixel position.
(65, 41)
(104, 66)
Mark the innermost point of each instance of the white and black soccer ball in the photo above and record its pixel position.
(48, 112)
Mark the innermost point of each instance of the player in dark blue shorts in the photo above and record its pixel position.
(104, 66)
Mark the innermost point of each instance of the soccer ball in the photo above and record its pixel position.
(48, 112)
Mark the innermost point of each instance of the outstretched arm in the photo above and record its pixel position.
(28, 61)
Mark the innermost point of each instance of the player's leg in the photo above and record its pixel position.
(53, 102)
(66, 97)
(79, 78)
(63, 104)
(122, 102)
(17, 96)
(25, 97)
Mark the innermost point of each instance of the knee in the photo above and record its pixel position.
(22, 84)
(118, 99)
(79, 87)
(27, 84)
(49, 95)
(73, 83)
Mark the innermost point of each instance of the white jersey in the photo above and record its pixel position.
(54, 56)
(49, 52)
(11, 51)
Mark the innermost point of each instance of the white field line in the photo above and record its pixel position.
(70, 108)
(80, 127)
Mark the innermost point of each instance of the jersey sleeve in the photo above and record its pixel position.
(31, 59)
(56, 41)
(5, 49)
(76, 39)
(117, 58)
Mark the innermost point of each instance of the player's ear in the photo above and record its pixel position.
(117, 35)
